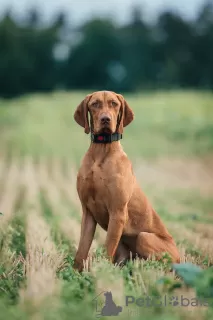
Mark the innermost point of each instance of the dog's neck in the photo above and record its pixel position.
(99, 151)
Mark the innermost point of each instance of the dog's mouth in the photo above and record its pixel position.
(106, 130)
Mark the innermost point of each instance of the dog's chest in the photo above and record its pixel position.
(92, 187)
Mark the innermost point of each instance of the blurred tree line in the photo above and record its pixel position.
(170, 53)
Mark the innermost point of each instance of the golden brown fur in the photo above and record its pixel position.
(109, 192)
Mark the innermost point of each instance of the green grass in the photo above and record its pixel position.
(63, 244)
(165, 124)
(12, 255)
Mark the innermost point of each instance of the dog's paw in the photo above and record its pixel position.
(78, 265)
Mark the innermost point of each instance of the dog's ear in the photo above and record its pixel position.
(81, 114)
(126, 113)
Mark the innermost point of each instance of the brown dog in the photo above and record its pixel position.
(108, 190)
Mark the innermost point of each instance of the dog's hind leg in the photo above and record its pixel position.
(148, 244)
(122, 254)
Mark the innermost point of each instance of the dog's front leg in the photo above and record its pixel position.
(88, 226)
(114, 232)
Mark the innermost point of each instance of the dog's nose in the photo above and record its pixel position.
(105, 119)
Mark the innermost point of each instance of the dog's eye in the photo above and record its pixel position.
(114, 104)
(95, 104)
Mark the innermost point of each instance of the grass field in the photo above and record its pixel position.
(170, 144)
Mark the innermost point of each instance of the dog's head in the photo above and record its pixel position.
(109, 112)
(108, 294)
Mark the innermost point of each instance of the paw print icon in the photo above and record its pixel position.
(174, 301)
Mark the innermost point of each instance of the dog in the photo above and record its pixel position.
(108, 190)
(110, 308)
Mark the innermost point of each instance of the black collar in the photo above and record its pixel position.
(105, 137)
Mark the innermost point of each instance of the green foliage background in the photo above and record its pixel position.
(101, 54)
